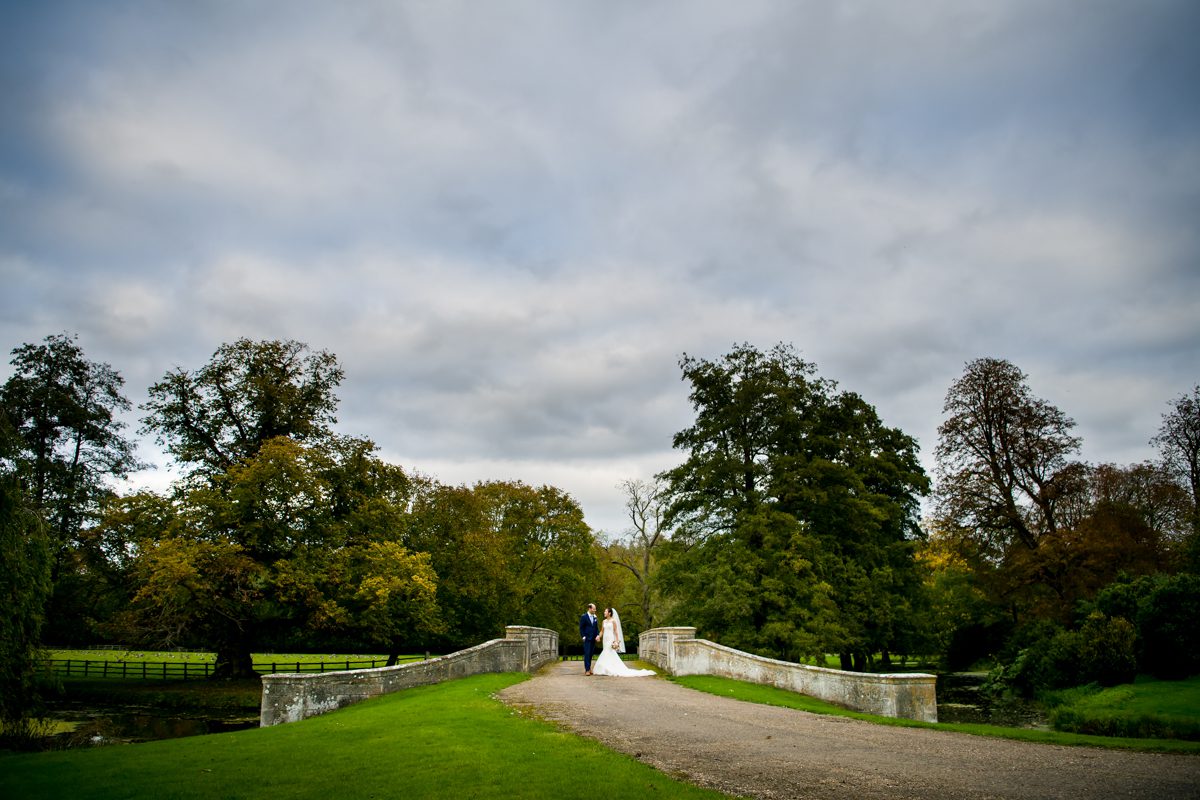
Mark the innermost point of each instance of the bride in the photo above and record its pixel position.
(610, 662)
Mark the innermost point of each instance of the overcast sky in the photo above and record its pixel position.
(509, 219)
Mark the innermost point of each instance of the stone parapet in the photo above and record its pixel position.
(657, 645)
(906, 695)
(289, 697)
(541, 645)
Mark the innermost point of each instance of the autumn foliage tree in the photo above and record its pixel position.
(1005, 475)
(279, 523)
(505, 553)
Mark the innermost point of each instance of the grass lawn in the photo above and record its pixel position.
(1147, 696)
(1147, 707)
(449, 740)
(769, 695)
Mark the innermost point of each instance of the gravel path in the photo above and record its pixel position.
(763, 751)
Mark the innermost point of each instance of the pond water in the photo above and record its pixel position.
(961, 698)
(91, 726)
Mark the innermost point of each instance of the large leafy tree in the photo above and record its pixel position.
(505, 553)
(267, 553)
(67, 449)
(469, 557)
(548, 550)
(248, 393)
(64, 411)
(795, 511)
(280, 525)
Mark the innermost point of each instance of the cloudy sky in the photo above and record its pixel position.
(510, 219)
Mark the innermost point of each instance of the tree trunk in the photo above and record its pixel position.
(233, 663)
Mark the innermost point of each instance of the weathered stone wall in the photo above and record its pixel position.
(289, 697)
(907, 695)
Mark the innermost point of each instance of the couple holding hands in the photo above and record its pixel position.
(606, 635)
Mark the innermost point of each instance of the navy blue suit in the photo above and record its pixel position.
(589, 629)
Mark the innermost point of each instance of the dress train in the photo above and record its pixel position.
(609, 663)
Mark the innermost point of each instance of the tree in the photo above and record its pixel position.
(1007, 486)
(1178, 442)
(25, 559)
(548, 550)
(645, 507)
(1150, 492)
(247, 394)
(795, 512)
(475, 584)
(960, 621)
(278, 516)
(1002, 456)
(504, 553)
(67, 447)
(63, 410)
(745, 404)
(277, 549)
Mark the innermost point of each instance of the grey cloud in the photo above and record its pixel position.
(510, 221)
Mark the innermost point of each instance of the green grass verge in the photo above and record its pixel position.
(1147, 707)
(769, 695)
(450, 740)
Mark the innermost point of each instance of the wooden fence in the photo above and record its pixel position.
(185, 670)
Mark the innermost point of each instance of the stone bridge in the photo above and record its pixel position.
(288, 697)
(679, 652)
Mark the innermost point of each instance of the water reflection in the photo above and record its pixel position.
(91, 727)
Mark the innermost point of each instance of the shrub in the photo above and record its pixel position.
(1107, 650)
(1050, 660)
(1166, 621)
(1135, 726)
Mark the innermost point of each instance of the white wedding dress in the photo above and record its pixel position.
(610, 663)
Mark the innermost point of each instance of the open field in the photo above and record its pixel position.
(198, 657)
(184, 665)
(450, 740)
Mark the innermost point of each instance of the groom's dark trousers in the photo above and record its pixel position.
(588, 631)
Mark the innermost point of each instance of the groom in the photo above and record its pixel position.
(589, 631)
